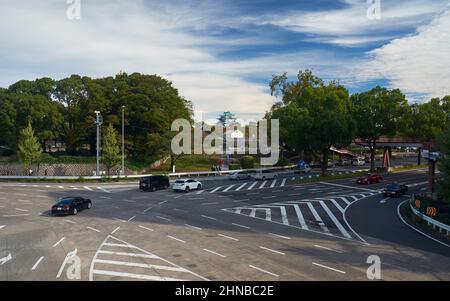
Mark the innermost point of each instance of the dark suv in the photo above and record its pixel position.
(153, 183)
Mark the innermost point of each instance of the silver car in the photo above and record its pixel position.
(265, 174)
(240, 175)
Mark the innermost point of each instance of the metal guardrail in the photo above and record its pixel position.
(435, 223)
(173, 175)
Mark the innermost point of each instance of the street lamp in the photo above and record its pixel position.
(98, 122)
(123, 139)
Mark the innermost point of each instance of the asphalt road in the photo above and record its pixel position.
(275, 231)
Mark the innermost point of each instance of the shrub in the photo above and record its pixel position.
(247, 162)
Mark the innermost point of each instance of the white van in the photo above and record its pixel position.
(265, 174)
(358, 161)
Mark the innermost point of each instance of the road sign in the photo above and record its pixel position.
(431, 211)
(417, 204)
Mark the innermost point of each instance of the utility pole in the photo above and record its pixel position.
(123, 139)
(98, 122)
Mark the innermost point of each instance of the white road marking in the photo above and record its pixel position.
(145, 211)
(264, 271)
(217, 188)
(163, 202)
(326, 267)
(148, 229)
(300, 217)
(295, 194)
(283, 182)
(209, 217)
(212, 252)
(177, 239)
(193, 199)
(128, 254)
(2, 226)
(228, 237)
(5, 259)
(106, 198)
(193, 227)
(335, 220)
(240, 187)
(120, 220)
(317, 217)
(181, 210)
(269, 197)
(251, 186)
(253, 213)
(284, 217)
(37, 263)
(262, 185)
(213, 203)
(163, 218)
(273, 183)
(280, 236)
(200, 191)
(59, 241)
(131, 218)
(351, 187)
(239, 225)
(135, 276)
(23, 210)
(60, 187)
(228, 188)
(102, 189)
(15, 215)
(336, 204)
(24, 201)
(115, 230)
(141, 265)
(129, 201)
(325, 248)
(273, 251)
(69, 221)
(238, 201)
(345, 200)
(93, 229)
(384, 200)
(253, 193)
(87, 188)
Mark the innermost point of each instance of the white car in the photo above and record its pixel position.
(186, 185)
(265, 174)
(240, 175)
(358, 161)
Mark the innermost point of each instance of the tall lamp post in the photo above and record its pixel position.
(98, 122)
(123, 139)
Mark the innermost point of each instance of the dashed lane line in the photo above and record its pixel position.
(177, 239)
(193, 227)
(163, 202)
(329, 268)
(264, 271)
(163, 218)
(37, 263)
(328, 249)
(131, 218)
(145, 228)
(215, 253)
(251, 186)
(115, 230)
(283, 182)
(280, 236)
(241, 226)
(346, 186)
(228, 237)
(95, 230)
(271, 250)
(58, 242)
(209, 217)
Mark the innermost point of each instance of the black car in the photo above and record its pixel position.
(71, 205)
(153, 183)
(395, 190)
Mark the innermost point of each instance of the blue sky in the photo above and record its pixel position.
(221, 54)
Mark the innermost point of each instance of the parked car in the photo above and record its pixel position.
(395, 190)
(240, 175)
(370, 179)
(264, 174)
(344, 162)
(358, 161)
(303, 169)
(71, 205)
(186, 185)
(153, 183)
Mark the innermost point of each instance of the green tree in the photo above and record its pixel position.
(377, 113)
(313, 115)
(29, 147)
(444, 164)
(110, 149)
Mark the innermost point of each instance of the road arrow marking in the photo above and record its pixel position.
(5, 259)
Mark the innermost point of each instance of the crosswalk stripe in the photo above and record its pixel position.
(345, 200)
(273, 183)
(268, 215)
(301, 219)
(283, 182)
(334, 219)
(200, 192)
(251, 186)
(135, 276)
(128, 254)
(337, 205)
(253, 213)
(228, 188)
(217, 188)
(317, 217)
(240, 187)
(141, 265)
(262, 185)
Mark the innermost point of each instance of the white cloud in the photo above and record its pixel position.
(417, 64)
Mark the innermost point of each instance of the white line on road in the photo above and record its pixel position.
(264, 271)
(181, 210)
(217, 188)
(384, 200)
(106, 198)
(134, 276)
(128, 254)
(145, 211)
(145, 228)
(163, 218)
(120, 220)
(131, 218)
(294, 194)
(23, 210)
(15, 215)
(87, 188)
(59, 241)
(212, 252)
(251, 186)
(2, 226)
(336, 204)
(228, 237)
(213, 203)
(193, 227)
(273, 251)
(93, 229)
(238, 201)
(262, 185)
(115, 230)
(280, 236)
(317, 217)
(193, 199)
(37, 263)
(325, 248)
(177, 239)
(300, 217)
(209, 217)
(283, 182)
(269, 197)
(239, 225)
(326, 267)
(273, 183)
(228, 188)
(335, 220)
(345, 186)
(163, 202)
(240, 187)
